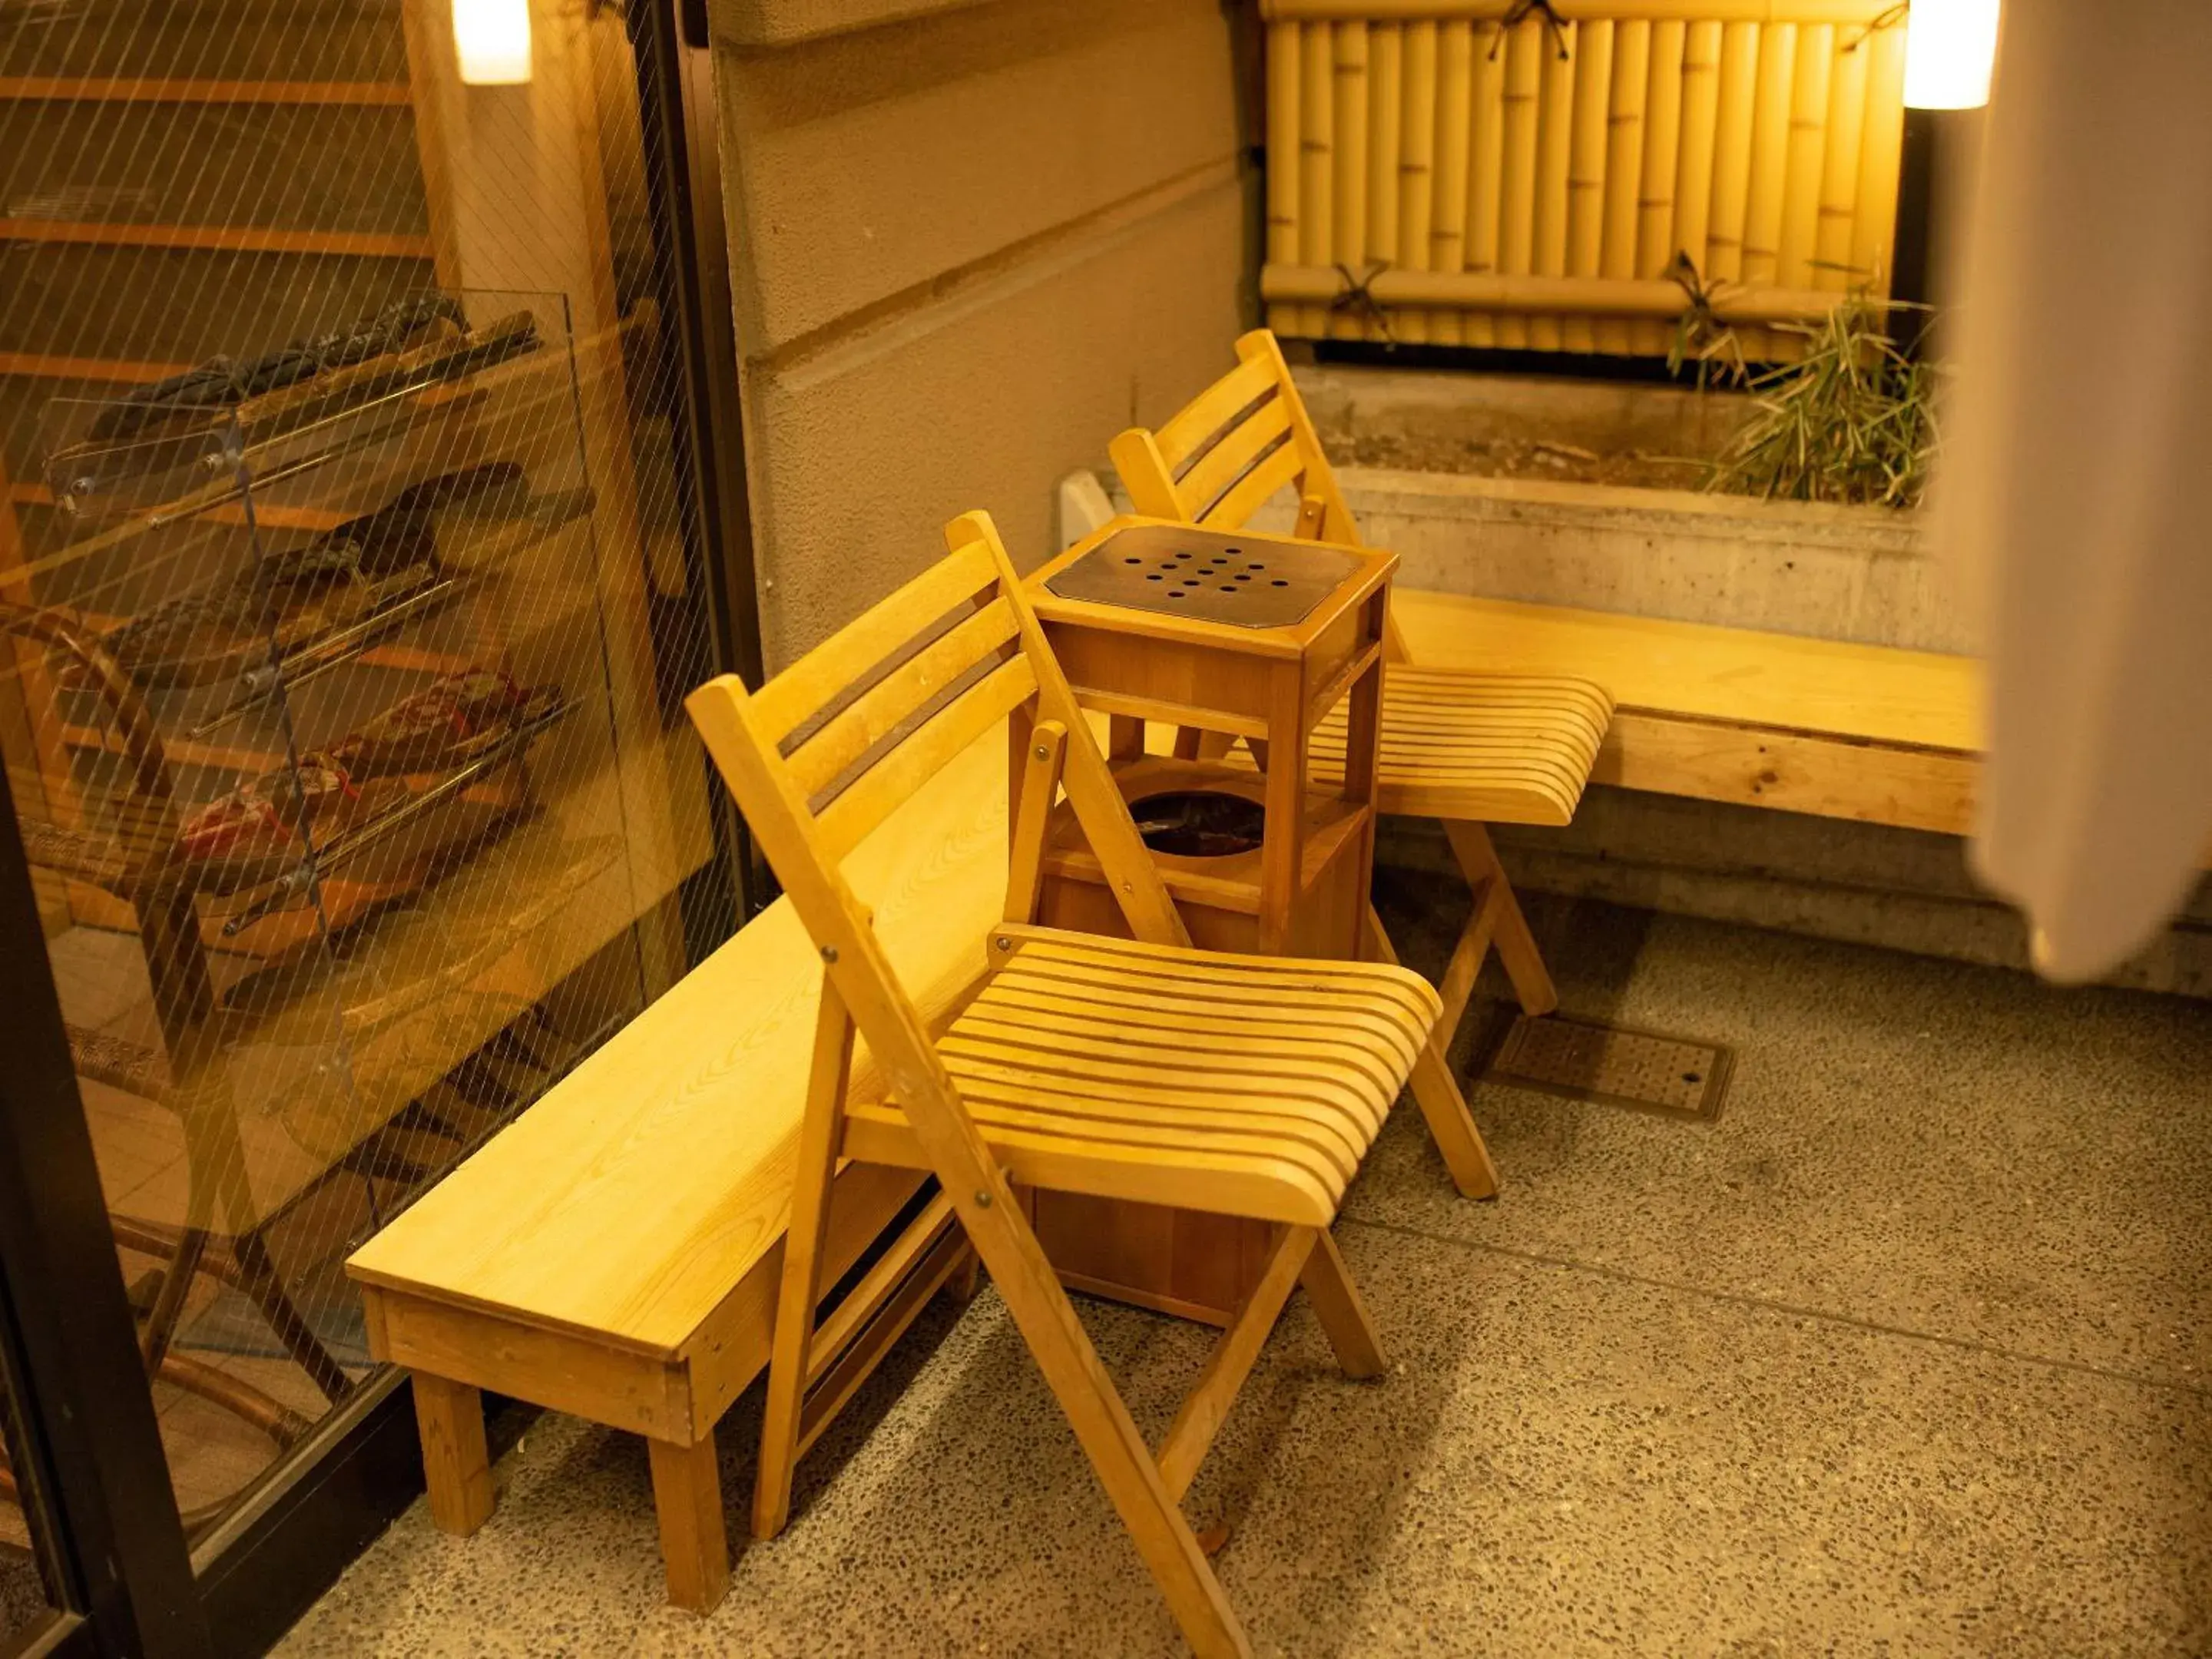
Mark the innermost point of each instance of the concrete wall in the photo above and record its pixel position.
(970, 242)
(1863, 573)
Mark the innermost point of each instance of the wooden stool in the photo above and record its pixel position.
(1262, 636)
(1272, 639)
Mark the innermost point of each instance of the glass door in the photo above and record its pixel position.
(368, 502)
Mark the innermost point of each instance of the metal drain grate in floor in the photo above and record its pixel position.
(1614, 1065)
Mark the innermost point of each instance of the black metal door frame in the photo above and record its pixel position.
(101, 1480)
(670, 43)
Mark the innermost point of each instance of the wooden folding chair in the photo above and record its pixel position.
(1464, 747)
(1143, 1070)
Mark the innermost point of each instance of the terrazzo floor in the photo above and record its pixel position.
(1903, 1355)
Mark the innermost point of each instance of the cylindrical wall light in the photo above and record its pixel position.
(493, 37)
(1950, 47)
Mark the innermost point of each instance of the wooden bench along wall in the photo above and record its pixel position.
(1824, 727)
(615, 1252)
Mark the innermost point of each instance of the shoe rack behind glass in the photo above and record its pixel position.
(345, 607)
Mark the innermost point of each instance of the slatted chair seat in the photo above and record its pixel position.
(1092, 1066)
(1498, 747)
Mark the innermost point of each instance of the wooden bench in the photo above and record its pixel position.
(1823, 727)
(615, 1252)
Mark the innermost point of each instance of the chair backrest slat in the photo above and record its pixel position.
(1265, 433)
(810, 684)
(1213, 409)
(920, 753)
(1248, 493)
(847, 737)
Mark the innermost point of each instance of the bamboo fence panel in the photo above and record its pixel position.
(1694, 165)
(1385, 93)
(1807, 149)
(1317, 157)
(1879, 142)
(1285, 165)
(1416, 145)
(1454, 141)
(1729, 205)
(1769, 164)
(1517, 234)
(1586, 168)
(1655, 202)
(1555, 118)
(1485, 176)
(1523, 169)
(1590, 296)
(1858, 13)
(1839, 172)
(1349, 208)
(1624, 169)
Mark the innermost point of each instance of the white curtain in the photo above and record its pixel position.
(2077, 484)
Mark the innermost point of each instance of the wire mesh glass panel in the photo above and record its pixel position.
(348, 594)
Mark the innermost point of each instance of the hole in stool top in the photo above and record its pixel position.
(1199, 823)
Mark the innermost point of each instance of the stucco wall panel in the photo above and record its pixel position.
(859, 459)
(968, 247)
(872, 164)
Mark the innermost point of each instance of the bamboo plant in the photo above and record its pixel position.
(1852, 421)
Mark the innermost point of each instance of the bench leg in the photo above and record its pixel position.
(456, 1465)
(694, 1544)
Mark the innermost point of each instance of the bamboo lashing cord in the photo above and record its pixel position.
(1359, 295)
(1519, 11)
(1885, 20)
(1703, 334)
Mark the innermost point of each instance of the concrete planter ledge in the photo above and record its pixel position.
(1858, 573)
